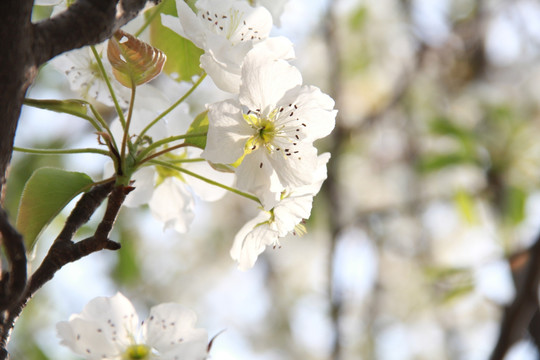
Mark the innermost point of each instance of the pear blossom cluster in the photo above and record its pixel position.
(264, 132)
(108, 329)
(267, 130)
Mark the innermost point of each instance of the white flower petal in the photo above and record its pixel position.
(173, 204)
(191, 25)
(204, 190)
(252, 239)
(265, 82)
(276, 8)
(143, 181)
(84, 76)
(227, 133)
(278, 47)
(296, 164)
(297, 203)
(314, 110)
(106, 326)
(170, 330)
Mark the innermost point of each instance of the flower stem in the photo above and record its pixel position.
(164, 151)
(103, 123)
(61, 151)
(166, 141)
(125, 138)
(150, 18)
(173, 106)
(209, 181)
(109, 85)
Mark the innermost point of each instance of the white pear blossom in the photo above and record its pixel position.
(108, 328)
(270, 129)
(286, 217)
(226, 30)
(84, 76)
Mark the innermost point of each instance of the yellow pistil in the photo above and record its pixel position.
(137, 352)
(265, 131)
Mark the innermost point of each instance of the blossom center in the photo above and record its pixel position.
(137, 352)
(264, 129)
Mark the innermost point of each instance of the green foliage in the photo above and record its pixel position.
(183, 55)
(127, 270)
(466, 139)
(71, 106)
(198, 126)
(45, 194)
(514, 207)
(466, 206)
(432, 163)
(359, 17)
(22, 169)
(449, 283)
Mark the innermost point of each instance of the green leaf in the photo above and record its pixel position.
(359, 18)
(444, 126)
(515, 200)
(432, 163)
(466, 206)
(457, 292)
(133, 61)
(45, 194)
(127, 270)
(183, 55)
(70, 106)
(198, 126)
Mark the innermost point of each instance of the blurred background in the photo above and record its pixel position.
(421, 236)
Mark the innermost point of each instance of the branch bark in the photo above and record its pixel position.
(518, 315)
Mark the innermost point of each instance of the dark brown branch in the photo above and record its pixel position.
(15, 279)
(15, 72)
(64, 251)
(86, 206)
(86, 22)
(518, 315)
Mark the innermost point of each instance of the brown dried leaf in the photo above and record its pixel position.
(133, 60)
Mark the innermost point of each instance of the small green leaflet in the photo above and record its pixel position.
(45, 194)
(71, 106)
(198, 126)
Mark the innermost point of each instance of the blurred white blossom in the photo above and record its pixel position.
(84, 76)
(108, 328)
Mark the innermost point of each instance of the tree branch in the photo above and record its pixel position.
(86, 22)
(15, 279)
(518, 315)
(64, 250)
(15, 72)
